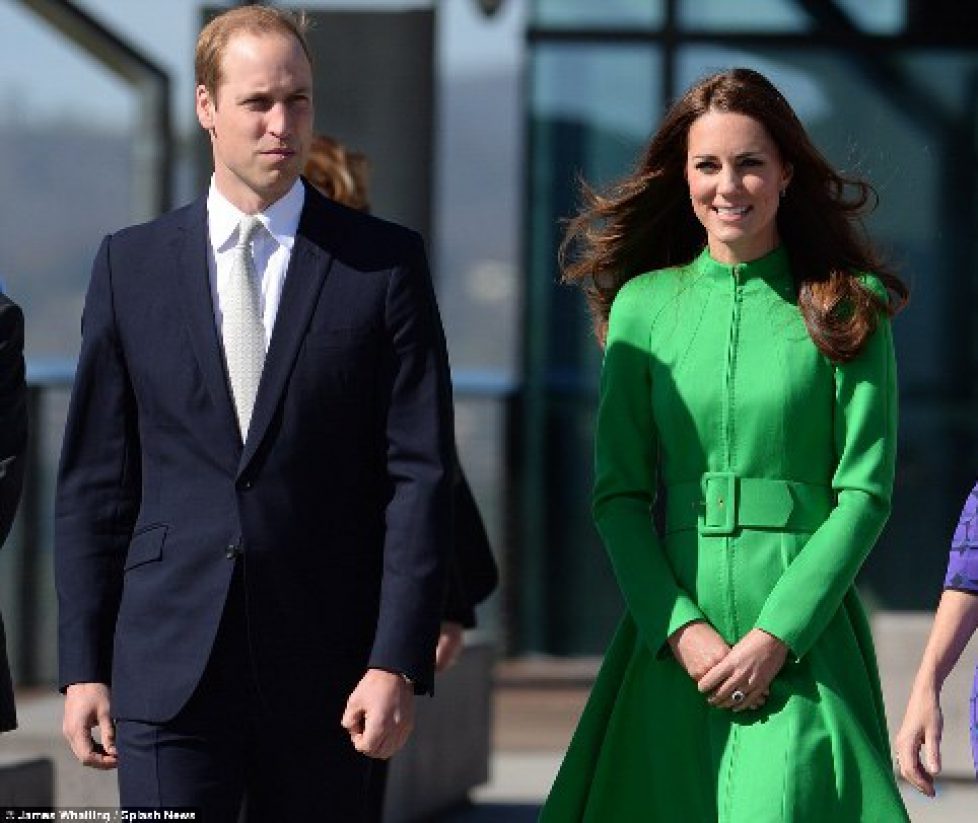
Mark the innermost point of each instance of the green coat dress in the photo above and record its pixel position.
(778, 466)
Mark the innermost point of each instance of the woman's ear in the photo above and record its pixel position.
(787, 172)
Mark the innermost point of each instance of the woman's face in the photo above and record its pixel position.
(735, 177)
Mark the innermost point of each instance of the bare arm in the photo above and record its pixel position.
(954, 623)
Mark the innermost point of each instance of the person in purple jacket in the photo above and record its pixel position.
(918, 743)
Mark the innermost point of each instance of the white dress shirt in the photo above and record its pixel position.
(271, 248)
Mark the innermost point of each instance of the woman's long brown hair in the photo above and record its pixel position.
(645, 222)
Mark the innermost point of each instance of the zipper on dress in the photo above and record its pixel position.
(728, 435)
(731, 367)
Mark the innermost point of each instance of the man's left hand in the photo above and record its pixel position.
(380, 713)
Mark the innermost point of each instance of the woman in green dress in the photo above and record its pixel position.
(749, 372)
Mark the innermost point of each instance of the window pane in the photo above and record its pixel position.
(755, 15)
(606, 14)
(72, 136)
(877, 17)
(591, 113)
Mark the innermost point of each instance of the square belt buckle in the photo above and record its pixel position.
(719, 515)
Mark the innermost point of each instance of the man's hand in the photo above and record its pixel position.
(450, 642)
(87, 707)
(380, 713)
(698, 647)
(749, 669)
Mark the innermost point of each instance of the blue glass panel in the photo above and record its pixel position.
(604, 14)
(592, 110)
(875, 16)
(609, 94)
(753, 15)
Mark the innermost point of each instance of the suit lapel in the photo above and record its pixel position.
(191, 253)
(308, 267)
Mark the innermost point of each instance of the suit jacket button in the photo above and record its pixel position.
(247, 484)
(231, 552)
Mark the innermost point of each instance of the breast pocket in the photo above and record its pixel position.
(340, 363)
(339, 338)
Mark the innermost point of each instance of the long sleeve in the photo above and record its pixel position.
(98, 491)
(419, 465)
(626, 449)
(811, 590)
(473, 574)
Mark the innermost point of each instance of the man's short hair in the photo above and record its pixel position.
(253, 19)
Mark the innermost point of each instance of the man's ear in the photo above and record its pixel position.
(205, 107)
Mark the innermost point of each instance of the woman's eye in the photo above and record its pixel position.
(706, 166)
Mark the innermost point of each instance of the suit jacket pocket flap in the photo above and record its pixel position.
(146, 546)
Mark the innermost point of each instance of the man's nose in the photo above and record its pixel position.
(279, 120)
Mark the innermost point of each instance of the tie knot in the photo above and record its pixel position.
(246, 229)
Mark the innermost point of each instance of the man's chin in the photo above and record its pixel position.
(276, 184)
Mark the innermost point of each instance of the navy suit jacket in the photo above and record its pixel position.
(337, 504)
(13, 443)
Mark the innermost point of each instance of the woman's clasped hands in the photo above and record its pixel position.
(735, 677)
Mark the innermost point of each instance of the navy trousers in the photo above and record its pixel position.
(226, 756)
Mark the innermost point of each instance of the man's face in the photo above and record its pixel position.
(259, 119)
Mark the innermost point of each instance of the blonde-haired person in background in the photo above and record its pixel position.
(339, 173)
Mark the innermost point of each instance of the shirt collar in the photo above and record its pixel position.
(281, 219)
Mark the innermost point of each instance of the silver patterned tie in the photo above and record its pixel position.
(244, 334)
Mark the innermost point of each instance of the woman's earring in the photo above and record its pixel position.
(784, 191)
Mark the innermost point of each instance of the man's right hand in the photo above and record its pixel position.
(87, 706)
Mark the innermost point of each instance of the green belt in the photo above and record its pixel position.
(722, 502)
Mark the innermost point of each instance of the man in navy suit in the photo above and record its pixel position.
(242, 570)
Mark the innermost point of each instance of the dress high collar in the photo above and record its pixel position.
(773, 267)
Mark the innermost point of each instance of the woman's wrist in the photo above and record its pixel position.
(927, 683)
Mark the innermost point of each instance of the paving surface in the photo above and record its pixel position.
(534, 718)
(533, 726)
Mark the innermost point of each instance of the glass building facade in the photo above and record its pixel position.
(888, 90)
